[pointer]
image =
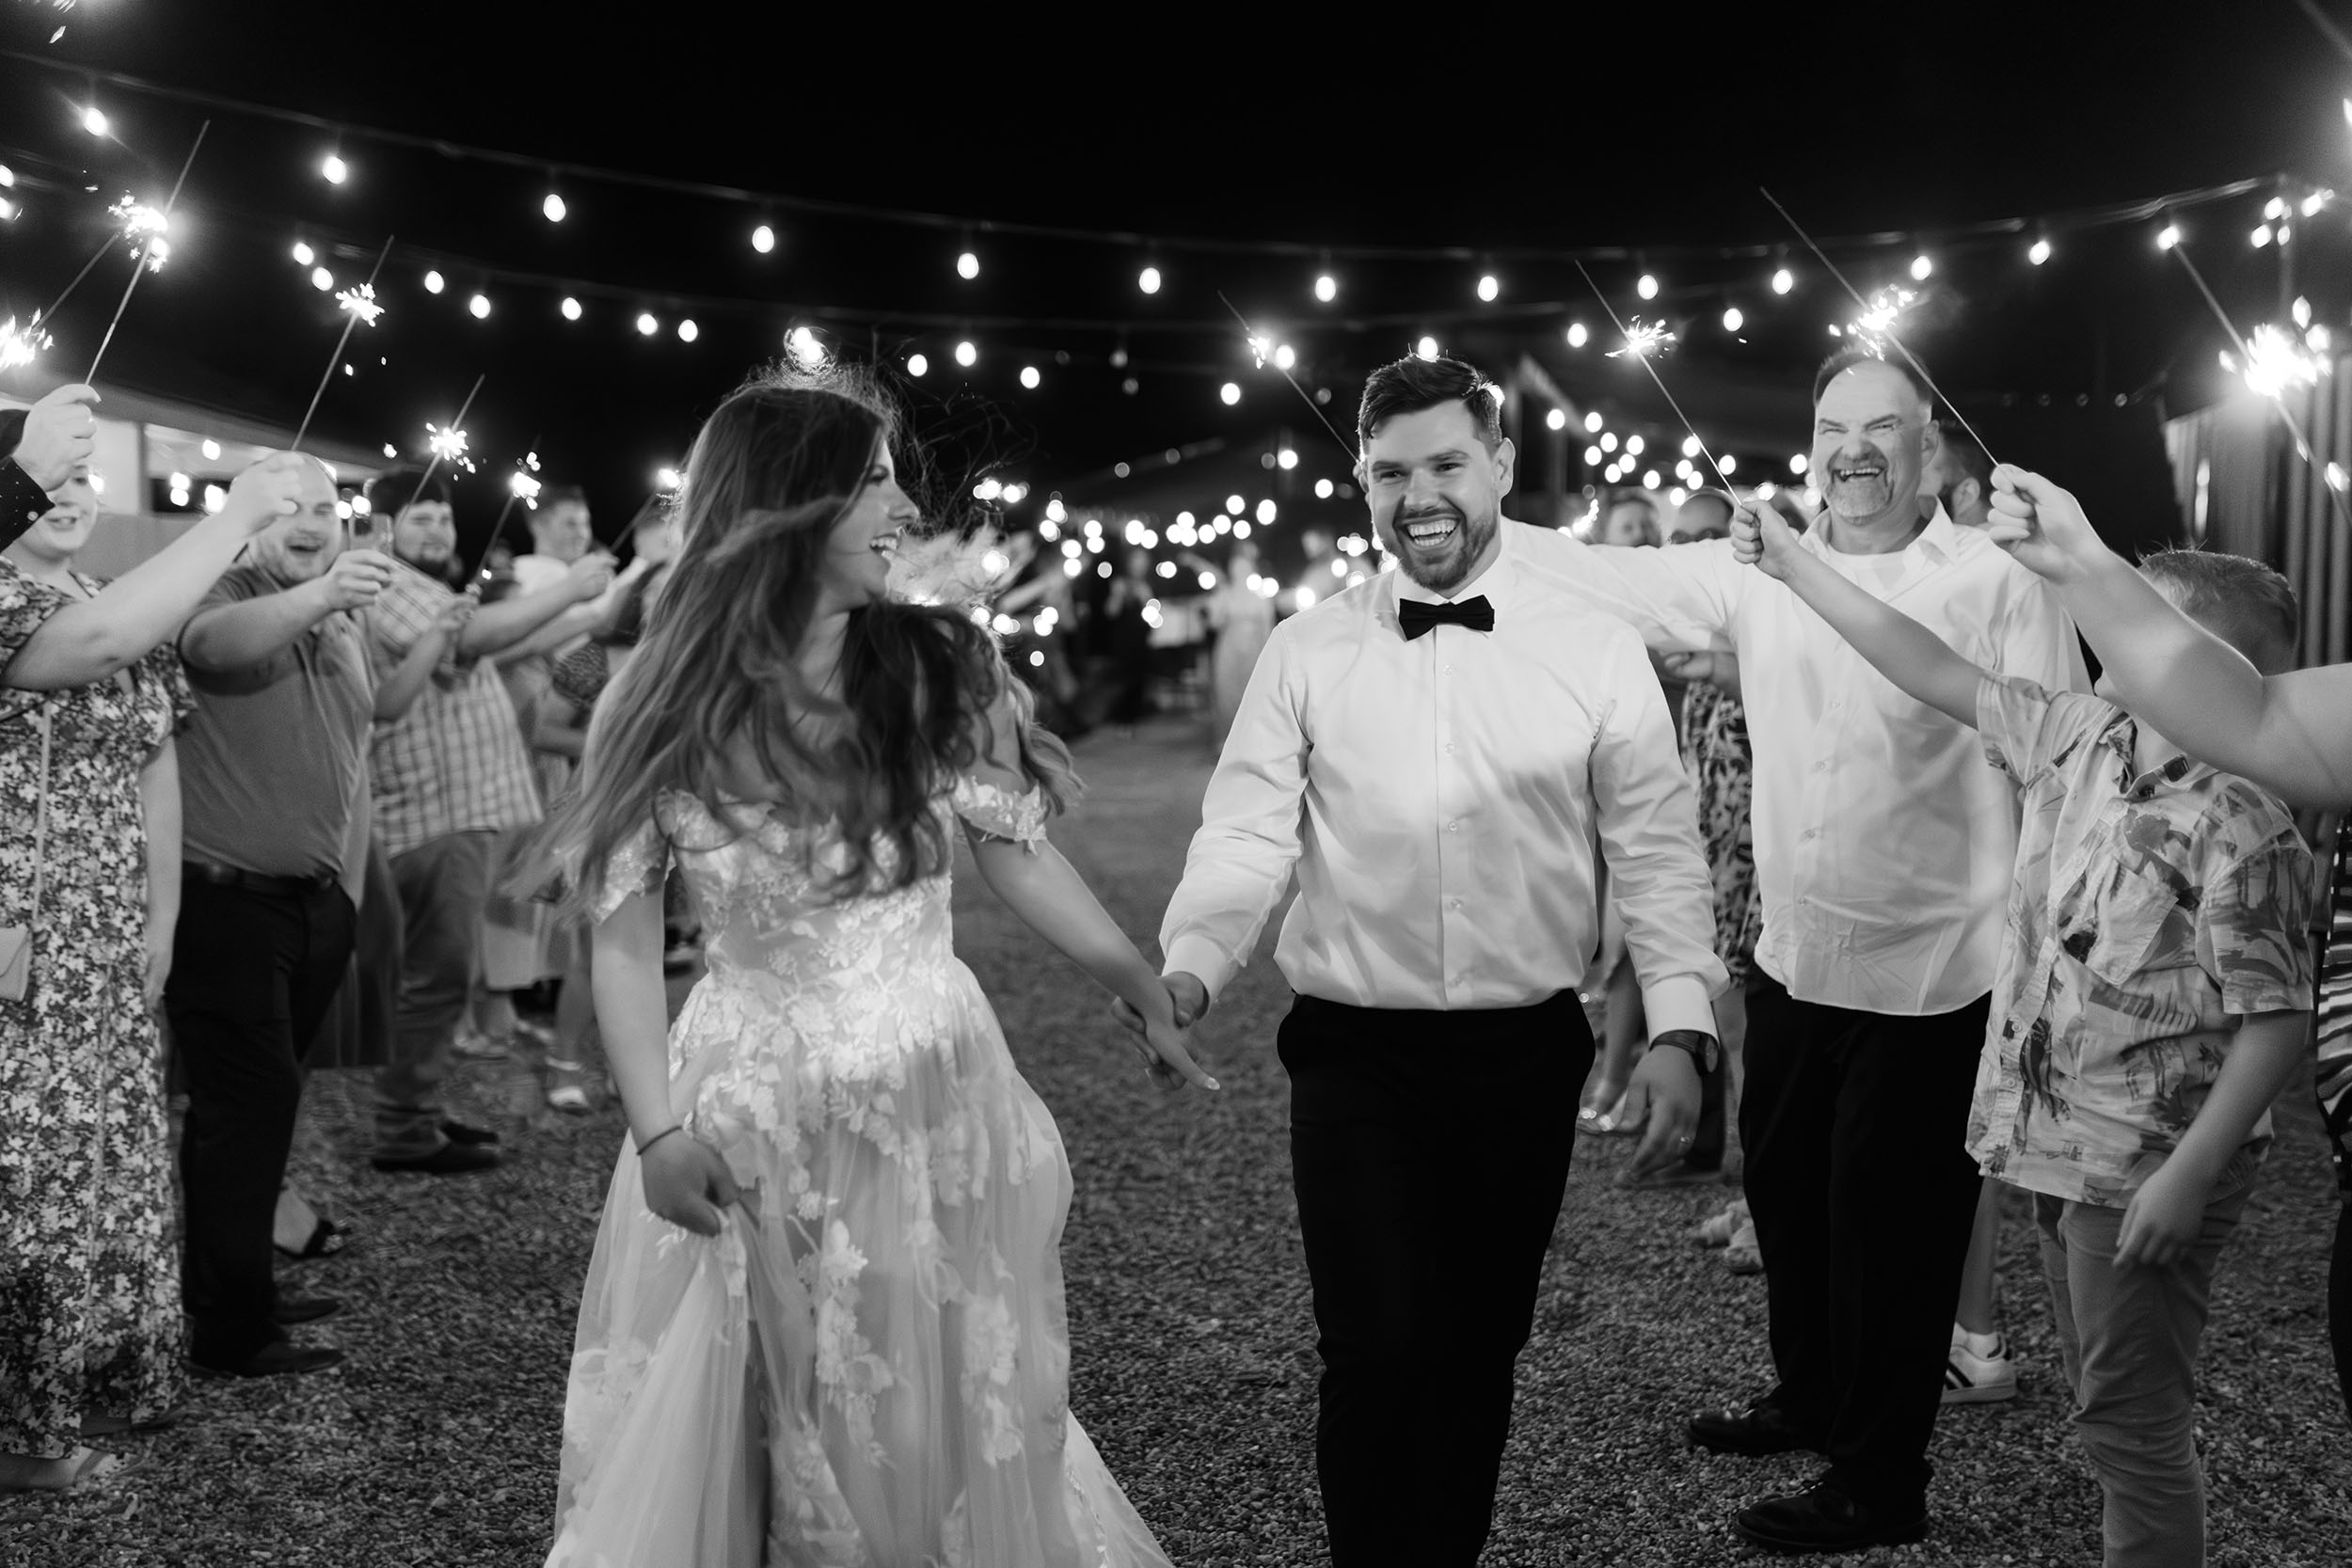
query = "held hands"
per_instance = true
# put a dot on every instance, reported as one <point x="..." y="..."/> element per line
<point x="2163" y="1220"/>
<point x="268" y="491"/>
<point x="455" y="617"/>
<point x="1161" y="1041"/>
<point x="687" y="1182"/>
<point x="355" y="580"/>
<point x="1665" y="1086"/>
<point x="2042" y="526"/>
<point x="60" y="432"/>
<point x="158" y="961"/>
<point x="1760" y="537"/>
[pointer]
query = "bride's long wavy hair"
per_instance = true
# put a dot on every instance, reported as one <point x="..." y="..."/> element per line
<point x="716" y="686"/>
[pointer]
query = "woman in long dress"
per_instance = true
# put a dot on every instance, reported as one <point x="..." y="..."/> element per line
<point x="1244" y="619"/>
<point x="824" y="1323"/>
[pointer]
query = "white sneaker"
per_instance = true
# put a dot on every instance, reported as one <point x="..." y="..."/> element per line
<point x="1973" y="1379"/>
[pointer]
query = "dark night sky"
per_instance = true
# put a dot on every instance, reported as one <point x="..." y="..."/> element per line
<point x="1428" y="127"/>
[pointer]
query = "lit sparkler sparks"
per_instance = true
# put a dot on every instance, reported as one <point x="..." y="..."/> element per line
<point x="446" y="445"/>
<point x="523" y="487"/>
<point x="2275" y="363"/>
<point x="21" y="345"/>
<point x="145" y="229"/>
<point x="1876" y="325"/>
<point x="360" y="303"/>
<point x="1641" y="341"/>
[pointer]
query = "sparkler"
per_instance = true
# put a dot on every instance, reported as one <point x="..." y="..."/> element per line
<point x="1640" y="342"/>
<point x="521" y="486"/>
<point x="1641" y="345"/>
<point x="19" y="346"/>
<point x="1260" y="348"/>
<point x="146" y="229"/>
<point x="1869" y="310"/>
<point x="2272" y="365"/>
<point x="453" y="438"/>
<point x="1875" y="326"/>
<point x="154" y="239"/>
<point x="359" y="309"/>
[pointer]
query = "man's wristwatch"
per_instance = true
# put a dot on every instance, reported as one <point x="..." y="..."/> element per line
<point x="1706" y="1052"/>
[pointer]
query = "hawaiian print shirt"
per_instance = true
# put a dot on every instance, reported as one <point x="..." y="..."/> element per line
<point x="2151" y="913"/>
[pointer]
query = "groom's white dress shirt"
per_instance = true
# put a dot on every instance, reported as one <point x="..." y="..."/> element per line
<point x="1438" y="800"/>
<point x="1886" y="845"/>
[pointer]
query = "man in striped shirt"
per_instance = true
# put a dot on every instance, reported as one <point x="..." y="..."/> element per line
<point x="448" y="776"/>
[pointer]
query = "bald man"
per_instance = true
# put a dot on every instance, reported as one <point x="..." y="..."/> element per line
<point x="273" y="777"/>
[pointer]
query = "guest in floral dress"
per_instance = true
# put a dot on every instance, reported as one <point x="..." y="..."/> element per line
<point x="89" y="1274"/>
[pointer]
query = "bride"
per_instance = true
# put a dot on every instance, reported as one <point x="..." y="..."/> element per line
<point x="824" y="1323"/>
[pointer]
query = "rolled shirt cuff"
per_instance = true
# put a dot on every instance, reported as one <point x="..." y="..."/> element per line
<point x="1679" y="1002"/>
<point x="1202" y="959"/>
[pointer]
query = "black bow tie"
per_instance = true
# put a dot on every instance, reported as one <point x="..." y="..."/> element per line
<point x="1416" y="617"/>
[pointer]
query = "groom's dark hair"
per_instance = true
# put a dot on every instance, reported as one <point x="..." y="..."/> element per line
<point x="1409" y="385"/>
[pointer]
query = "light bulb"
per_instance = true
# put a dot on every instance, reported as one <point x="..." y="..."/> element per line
<point x="1230" y="393"/>
<point x="2038" y="252"/>
<point x="688" y="331"/>
<point x="1488" y="287"/>
<point x="1783" y="280"/>
<point x="2260" y="237"/>
<point x="553" y="206"/>
<point x="2169" y="236"/>
<point x="1426" y="348"/>
<point x="321" y="279"/>
<point x="1733" y="319"/>
<point x="1647" y="287"/>
<point x="1284" y="357"/>
<point x="1578" y="337"/>
<point x="966" y="355"/>
<point x="1286" y="458"/>
<point x="433" y="284"/>
<point x="94" y="120"/>
<point x="570" y="308"/>
<point x="303" y="254"/>
<point x="480" y="306"/>
<point x="763" y="239"/>
<point x="1593" y="420"/>
<point x="1556" y="420"/>
<point x="1149" y="280"/>
<point x="1920" y="268"/>
<point x="647" y="324"/>
<point x="1322" y="489"/>
<point x="967" y="265"/>
<point x="1326" y="288"/>
<point x="1030" y="377"/>
<point x="334" y="169"/>
<point x="918" y="365"/>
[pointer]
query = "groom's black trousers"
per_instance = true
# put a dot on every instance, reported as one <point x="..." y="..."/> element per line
<point x="1430" y="1153"/>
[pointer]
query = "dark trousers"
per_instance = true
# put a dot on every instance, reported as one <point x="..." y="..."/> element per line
<point x="2340" y="1303"/>
<point x="252" y="976"/>
<point x="1424" y="1252"/>
<point x="1863" y="1197"/>
<point x="443" y="883"/>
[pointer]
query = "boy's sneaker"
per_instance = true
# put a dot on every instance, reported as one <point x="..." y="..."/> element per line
<point x="1974" y="1378"/>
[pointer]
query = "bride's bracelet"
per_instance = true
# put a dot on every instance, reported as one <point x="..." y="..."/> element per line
<point x="674" y="1127"/>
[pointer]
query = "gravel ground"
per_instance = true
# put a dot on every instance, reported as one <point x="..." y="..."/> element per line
<point x="1194" y="1365"/>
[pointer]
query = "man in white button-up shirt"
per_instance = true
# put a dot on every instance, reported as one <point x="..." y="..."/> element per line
<point x="1884" y="845"/>
<point x="1434" y="756"/>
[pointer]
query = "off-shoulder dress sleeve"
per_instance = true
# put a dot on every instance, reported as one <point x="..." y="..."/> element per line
<point x="997" y="797"/>
<point x="638" y="865"/>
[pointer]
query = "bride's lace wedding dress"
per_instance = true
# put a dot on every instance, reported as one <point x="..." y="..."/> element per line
<point x="869" y="1364"/>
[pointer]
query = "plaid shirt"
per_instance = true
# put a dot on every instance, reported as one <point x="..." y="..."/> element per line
<point x="455" y="761"/>
<point x="2149" y="913"/>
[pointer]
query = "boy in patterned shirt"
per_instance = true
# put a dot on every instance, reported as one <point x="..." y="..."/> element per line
<point x="2152" y="1000"/>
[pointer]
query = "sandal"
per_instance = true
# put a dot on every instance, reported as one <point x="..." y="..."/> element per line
<point x="326" y="1238"/>
<point x="1718" y="1230"/>
<point x="568" y="1096"/>
<point x="1741" y="1256"/>
<point x="113" y="1426"/>
<point x="82" y="1467"/>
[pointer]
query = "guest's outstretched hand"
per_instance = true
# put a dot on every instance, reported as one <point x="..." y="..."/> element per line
<point x="268" y="491"/>
<point x="356" y="579"/>
<point x="687" y="1182"/>
<point x="1666" y="1087"/>
<point x="61" y="433"/>
<point x="1761" y="537"/>
<point x="2042" y="526"/>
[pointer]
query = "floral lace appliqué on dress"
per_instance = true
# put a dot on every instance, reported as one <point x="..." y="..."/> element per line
<point x="869" y="1365"/>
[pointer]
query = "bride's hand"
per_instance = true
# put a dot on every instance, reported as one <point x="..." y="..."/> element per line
<point x="687" y="1182"/>
<point x="1171" y="1064"/>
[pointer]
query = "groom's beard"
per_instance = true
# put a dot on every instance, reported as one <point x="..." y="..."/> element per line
<point x="1439" y="566"/>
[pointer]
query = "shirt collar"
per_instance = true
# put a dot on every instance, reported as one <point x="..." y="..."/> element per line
<point x="1939" y="541"/>
<point x="1493" y="584"/>
<point x="2122" y="739"/>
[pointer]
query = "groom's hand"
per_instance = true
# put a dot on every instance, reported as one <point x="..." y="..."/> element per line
<point x="1666" y="1084"/>
<point x="1186" y="992"/>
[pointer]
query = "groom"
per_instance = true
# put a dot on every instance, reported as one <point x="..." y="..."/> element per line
<point x="1430" y="755"/>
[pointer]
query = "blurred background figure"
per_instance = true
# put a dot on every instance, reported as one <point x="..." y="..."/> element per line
<point x="1242" y="619"/>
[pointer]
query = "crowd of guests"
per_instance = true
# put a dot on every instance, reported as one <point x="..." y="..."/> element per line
<point x="285" y="731"/>
<point x="257" y="791"/>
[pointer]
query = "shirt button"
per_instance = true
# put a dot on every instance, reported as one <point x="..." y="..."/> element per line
<point x="1449" y="748"/>
<point x="1454" y="827"/>
<point x="1821" y="766"/>
<point x="1808" y="835"/>
<point x="1449" y="669"/>
<point x="1455" y="902"/>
